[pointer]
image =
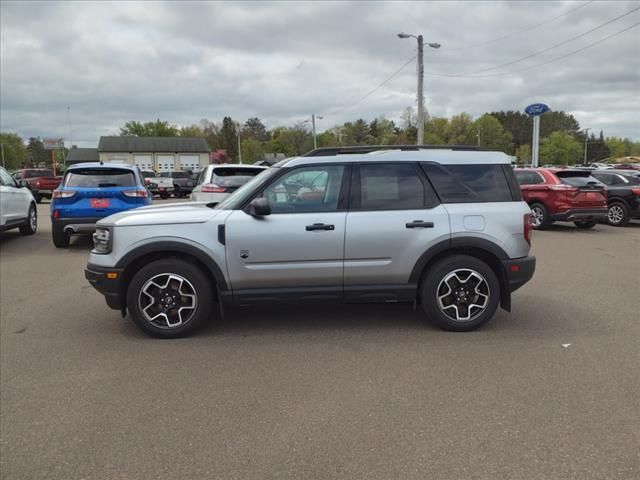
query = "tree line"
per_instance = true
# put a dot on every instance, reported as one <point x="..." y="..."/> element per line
<point x="562" y="139"/>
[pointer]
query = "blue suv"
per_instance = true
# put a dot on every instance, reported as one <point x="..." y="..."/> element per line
<point x="91" y="191"/>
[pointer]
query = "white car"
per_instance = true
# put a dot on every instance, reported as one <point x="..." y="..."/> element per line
<point x="217" y="182"/>
<point x="17" y="206"/>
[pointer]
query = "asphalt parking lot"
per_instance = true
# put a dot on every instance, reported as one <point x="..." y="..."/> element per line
<point x="549" y="391"/>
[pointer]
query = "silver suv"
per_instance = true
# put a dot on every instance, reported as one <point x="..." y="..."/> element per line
<point x="443" y="227"/>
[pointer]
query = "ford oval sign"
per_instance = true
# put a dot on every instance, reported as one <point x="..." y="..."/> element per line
<point x="536" y="109"/>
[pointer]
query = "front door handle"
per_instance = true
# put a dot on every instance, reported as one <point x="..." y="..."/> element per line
<point x="419" y="224"/>
<point x="319" y="226"/>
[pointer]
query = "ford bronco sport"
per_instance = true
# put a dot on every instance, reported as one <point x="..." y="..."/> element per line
<point x="442" y="227"/>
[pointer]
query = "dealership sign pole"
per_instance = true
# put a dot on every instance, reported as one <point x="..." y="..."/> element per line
<point x="536" y="110"/>
<point x="53" y="144"/>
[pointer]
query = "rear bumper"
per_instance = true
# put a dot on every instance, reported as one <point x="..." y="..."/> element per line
<point x="519" y="271"/>
<point x="593" y="214"/>
<point x="76" y="225"/>
<point x="109" y="287"/>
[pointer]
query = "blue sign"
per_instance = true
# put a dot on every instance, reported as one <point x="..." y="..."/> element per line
<point x="536" y="109"/>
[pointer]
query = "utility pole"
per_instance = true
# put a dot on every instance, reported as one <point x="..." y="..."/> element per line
<point x="239" y="149"/>
<point x="2" y="148"/>
<point x="586" y="131"/>
<point x="420" y="90"/>
<point x="313" y="127"/>
<point x="478" y="135"/>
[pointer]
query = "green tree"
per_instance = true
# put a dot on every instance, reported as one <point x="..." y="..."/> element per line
<point x="194" y="130"/>
<point x="492" y="135"/>
<point x="254" y="128"/>
<point x="35" y="153"/>
<point x="436" y="131"/>
<point x="597" y="149"/>
<point x="229" y="137"/>
<point x="523" y="153"/>
<point x="252" y="150"/>
<point x="158" y="128"/>
<point x="13" y="149"/>
<point x="358" y="133"/>
<point x="459" y="128"/>
<point x="560" y="148"/>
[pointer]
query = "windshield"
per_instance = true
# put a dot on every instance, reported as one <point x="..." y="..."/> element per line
<point x="100" y="178"/>
<point x="238" y="197"/>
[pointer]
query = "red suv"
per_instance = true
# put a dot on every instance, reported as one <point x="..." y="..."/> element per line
<point x="562" y="195"/>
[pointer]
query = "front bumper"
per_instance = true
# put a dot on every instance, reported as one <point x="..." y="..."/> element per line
<point x="109" y="287"/>
<point x="586" y="214"/>
<point x="519" y="271"/>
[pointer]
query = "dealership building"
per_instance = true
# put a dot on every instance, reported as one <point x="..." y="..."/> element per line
<point x="159" y="154"/>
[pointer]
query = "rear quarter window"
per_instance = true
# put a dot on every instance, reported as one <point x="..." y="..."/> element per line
<point x="469" y="183"/>
<point x="100" y="178"/>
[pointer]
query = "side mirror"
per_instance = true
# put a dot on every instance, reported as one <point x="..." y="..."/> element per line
<point x="259" y="207"/>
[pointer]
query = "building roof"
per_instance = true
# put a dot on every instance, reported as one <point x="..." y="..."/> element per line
<point x="153" y="144"/>
<point x="76" y="155"/>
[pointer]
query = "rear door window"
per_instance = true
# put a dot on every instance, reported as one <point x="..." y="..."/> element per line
<point x="469" y="183"/>
<point x="528" y="178"/>
<point x="100" y="178"/>
<point x="393" y="186"/>
<point x="577" y="179"/>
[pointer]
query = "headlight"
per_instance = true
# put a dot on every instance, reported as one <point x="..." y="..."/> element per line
<point x="102" y="240"/>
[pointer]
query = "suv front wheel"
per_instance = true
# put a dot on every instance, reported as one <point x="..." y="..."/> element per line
<point x="169" y="298"/>
<point x="459" y="293"/>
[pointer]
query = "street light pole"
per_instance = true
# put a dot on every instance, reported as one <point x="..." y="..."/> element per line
<point x="239" y="149"/>
<point x="420" y="81"/>
<point x="586" y="131"/>
<point x="313" y="126"/>
<point x="420" y="91"/>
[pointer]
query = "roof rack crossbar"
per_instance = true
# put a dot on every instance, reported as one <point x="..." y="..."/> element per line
<point x="361" y="149"/>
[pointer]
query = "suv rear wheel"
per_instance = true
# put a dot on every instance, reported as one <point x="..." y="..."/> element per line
<point x="618" y="214"/>
<point x="60" y="237"/>
<point x="31" y="225"/>
<point x="169" y="298"/>
<point x="539" y="216"/>
<point x="459" y="293"/>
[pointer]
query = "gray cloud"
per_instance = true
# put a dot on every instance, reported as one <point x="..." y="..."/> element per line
<point x="183" y="61"/>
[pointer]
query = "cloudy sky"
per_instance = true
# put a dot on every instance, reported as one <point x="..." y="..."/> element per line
<point x="110" y="62"/>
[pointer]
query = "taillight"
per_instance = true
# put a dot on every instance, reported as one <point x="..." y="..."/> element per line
<point x="135" y="193"/>
<point x="564" y="188"/>
<point x="56" y="213"/>
<point x="212" y="188"/>
<point x="527" y="227"/>
<point x="636" y="191"/>
<point x="63" y="194"/>
<point x="147" y="181"/>
<point x="38" y="183"/>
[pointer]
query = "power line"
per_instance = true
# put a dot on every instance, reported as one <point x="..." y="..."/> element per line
<point x="565" y="56"/>
<point x="558" y="44"/>
<point x="533" y="27"/>
<point x="543" y="63"/>
<point x="473" y="74"/>
<point x="375" y="89"/>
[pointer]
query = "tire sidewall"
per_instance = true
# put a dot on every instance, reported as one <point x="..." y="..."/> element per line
<point x="203" y="288"/>
<point x="545" y="222"/>
<point x="432" y="279"/>
<point x="26" y="229"/>
<point x="61" y="239"/>
<point x="625" y="215"/>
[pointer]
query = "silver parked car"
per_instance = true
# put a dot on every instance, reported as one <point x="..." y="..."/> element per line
<point x="217" y="182"/>
<point x="445" y="228"/>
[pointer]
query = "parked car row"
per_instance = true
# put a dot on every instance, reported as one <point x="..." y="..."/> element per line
<point x="581" y="196"/>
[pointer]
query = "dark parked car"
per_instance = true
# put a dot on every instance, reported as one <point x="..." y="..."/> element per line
<point x="568" y="195"/>
<point x="623" y="195"/>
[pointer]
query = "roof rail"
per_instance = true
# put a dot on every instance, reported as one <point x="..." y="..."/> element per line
<point x="360" y="149"/>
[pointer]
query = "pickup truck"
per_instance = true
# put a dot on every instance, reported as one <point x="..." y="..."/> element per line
<point x="41" y="181"/>
<point x="158" y="185"/>
<point x="182" y="182"/>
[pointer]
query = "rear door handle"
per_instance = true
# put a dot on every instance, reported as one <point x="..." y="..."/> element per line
<point x="319" y="226"/>
<point x="419" y="224"/>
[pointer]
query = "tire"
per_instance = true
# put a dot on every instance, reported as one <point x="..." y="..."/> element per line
<point x="30" y="227"/>
<point x="583" y="224"/>
<point x="37" y="197"/>
<point x="164" y="195"/>
<point x="60" y="237"/>
<point x="447" y="273"/>
<point x="176" y="191"/>
<point x="169" y="322"/>
<point x="540" y="216"/>
<point x="618" y="214"/>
